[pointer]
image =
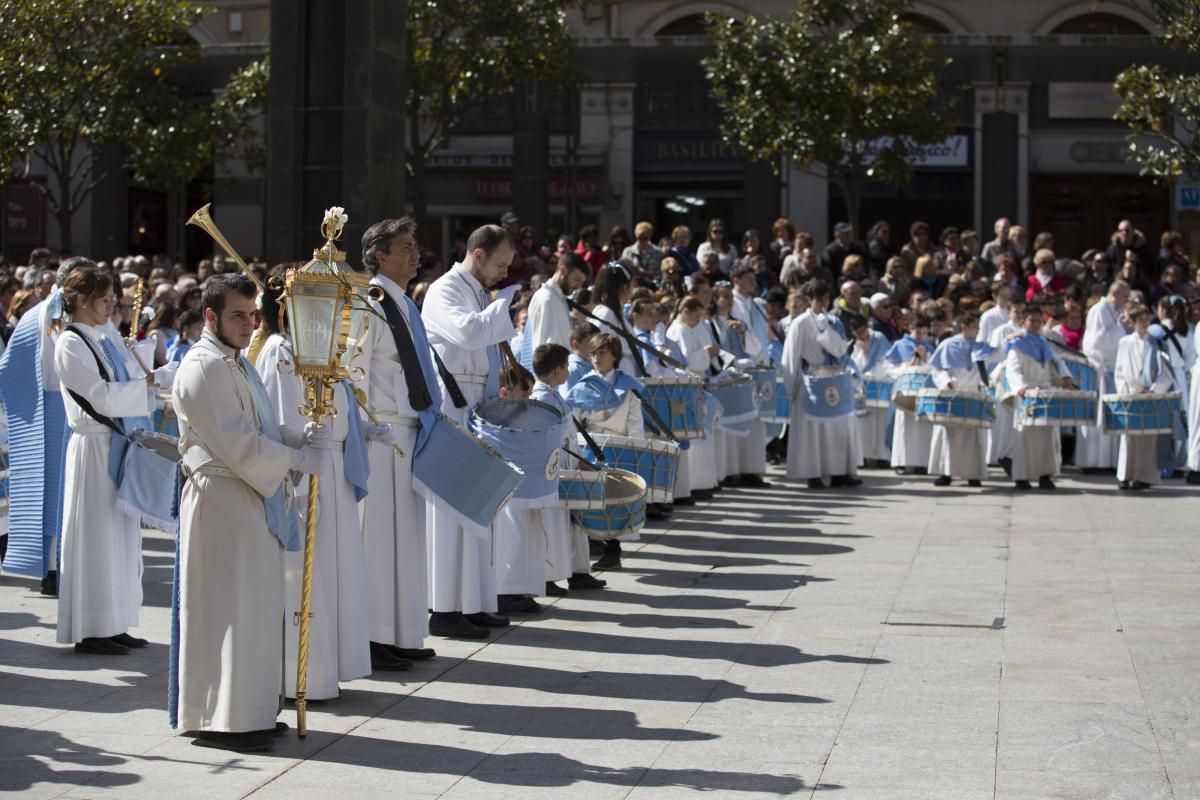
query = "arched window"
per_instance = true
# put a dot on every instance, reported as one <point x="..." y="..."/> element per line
<point x="924" y="24"/>
<point x="1099" y="25"/>
<point x="692" y="25"/>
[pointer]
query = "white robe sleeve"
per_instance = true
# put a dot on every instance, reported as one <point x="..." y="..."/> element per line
<point x="206" y="392"/>
<point x="446" y="312"/>
<point x="285" y="390"/>
<point x="76" y="367"/>
<point x="1014" y="372"/>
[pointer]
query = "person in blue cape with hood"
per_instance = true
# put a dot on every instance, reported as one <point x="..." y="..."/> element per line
<point x="911" y="439"/>
<point x="867" y="354"/>
<point x="1030" y="363"/>
<point x="957" y="451"/>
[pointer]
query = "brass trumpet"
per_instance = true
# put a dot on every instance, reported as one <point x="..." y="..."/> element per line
<point x="203" y="219"/>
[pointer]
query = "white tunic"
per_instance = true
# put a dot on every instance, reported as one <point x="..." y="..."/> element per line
<point x="1001" y="435"/>
<point x="1193" y="409"/>
<point x="958" y="451"/>
<point x="911" y="438"/>
<point x="461" y="324"/>
<point x="1102" y="335"/>
<point x="338" y="642"/>
<point x="1035" y="449"/>
<point x="231" y="613"/>
<point x="816" y="449"/>
<point x="549" y="319"/>
<point x="1137" y="459"/>
<point x="393" y="514"/>
<point x="701" y="454"/>
<point x="872" y="426"/>
<point x="100" y="578"/>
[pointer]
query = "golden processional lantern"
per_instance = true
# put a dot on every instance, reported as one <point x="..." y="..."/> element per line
<point x="325" y="302"/>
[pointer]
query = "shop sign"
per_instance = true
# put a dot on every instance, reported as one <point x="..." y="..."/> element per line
<point x="953" y="151"/>
<point x="1083" y="101"/>
<point x="499" y="187"/>
<point x="24" y="215"/>
<point x="1188" y="197"/>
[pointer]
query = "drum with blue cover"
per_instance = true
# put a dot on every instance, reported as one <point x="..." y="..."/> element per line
<point x="581" y="489"/>
<point x="1083" y="373"/>
<point x="1140" y="414"/>
<point x="877" y="393"/>
<point x="465" y="476"/>
<point x="828" y="393"/>
<point x="783" y="406"/>
<point x="679" y="401"/>
<point x="1045" y="407"/>
<point x="764" y="389"/>
<point x="909" y="382"/>
<point x="738" y="406"/>
<point x="623" y="512"/>
<point x="956" y="409"/>
<point x="528" y="433"/>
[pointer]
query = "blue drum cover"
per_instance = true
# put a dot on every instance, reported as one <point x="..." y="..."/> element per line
<point x="737" y="402"/>
<point x="581" y="489"/>
<point x="952" y="408"/>
<point x="877" y="393"/>
<point x="1056" y="409"/>
<point x="528" y="433"/>
<point x="657" y="465"/>
<point x="828" y="397"/>
<point x="1083" y="374"/>
<point x="1140" y="415"/>
<point x="624" y="510"/>
<point x="764" y="389"/>
<point x="681" y="405"/>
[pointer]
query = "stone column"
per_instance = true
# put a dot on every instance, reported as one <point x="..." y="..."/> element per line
<point x="1002" y="161"/>
<point x="606" y="123"/>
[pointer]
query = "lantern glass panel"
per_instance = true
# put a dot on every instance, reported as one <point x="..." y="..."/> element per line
<point x="314" y="316"/>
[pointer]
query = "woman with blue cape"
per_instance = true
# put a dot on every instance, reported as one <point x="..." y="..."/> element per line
<point x="870" y="347"/>
<point x="958" y="452"/>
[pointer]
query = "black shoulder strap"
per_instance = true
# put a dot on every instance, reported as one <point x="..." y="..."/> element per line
<point x="456" y="395"/>
<point x="80" y="400"/>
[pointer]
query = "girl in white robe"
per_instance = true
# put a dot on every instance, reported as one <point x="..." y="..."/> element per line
<point x="1030" y="363"/>
<point x="1096" y="450"/>
<point x="911" y="439"/>
<point x="1140" y="369"/>
<point x="100" y="582"/>
<point x="695" y="342"/>
<point x="867" y="354"/>
<point x="339" y="642"/>
<point x="958" y="451"/>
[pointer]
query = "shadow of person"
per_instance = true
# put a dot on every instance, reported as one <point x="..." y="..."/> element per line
<point x="559" y="612"/>
<point x="683" y="602"/>
<point x="26" y="753"/>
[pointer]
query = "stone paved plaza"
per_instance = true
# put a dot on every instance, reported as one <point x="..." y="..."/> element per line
<point x="894" y="642"/>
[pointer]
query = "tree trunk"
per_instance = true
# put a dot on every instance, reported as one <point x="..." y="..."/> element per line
<point x="851" y="187"/>
<point x="63" y="212"/>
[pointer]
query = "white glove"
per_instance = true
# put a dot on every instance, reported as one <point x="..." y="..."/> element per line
<point x="145" y="350"/>
<point x="317" y="435"/>
<point x="165" y="376"/>
<point x="308" y="460"/>
<point x="380" y="433"/>
<point x="508" y="292"/>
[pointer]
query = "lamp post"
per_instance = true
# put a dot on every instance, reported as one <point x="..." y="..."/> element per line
<point x="319" y="298"/>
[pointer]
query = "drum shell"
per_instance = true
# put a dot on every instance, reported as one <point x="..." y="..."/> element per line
<point x="909" y="381"/>
<point x="1044" y="407"/>
<point x="467" y="476"/>
<point x="581" y="489"/>
<point x="783" y="406"/>
<point x="624" y="510"/>
<point x="737" y="404"/>
<point x="656" y="462"/>
<point x="956" y="409"/>
<point x="877" y="393"/>
<point x="679" y="400"/>
<point x="764" y="389"/>
<point x="528" y="433"/>
<point x="828" y="394"/>
<point x="146" y="485"/>
<point x="1140" y="414"/>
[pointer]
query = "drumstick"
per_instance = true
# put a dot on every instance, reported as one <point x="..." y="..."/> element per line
<point x="361" y="397"/>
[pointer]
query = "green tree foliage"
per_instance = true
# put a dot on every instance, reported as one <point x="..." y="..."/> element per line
<point x="845" y="84"/>
<point x="78" y="76"/>
<point x="463" y="51"/>
<point x="1162" y="107"/>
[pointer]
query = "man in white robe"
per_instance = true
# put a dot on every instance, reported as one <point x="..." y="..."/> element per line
<point x="394" y="514"/>
<point x="235" y="522"/>
<point x="464" y="328"/>
<point x="549" y="318"/>
<point x="751" y="312"/>
<point x="1095" y="450"/>
<point x="1140" y="369"/>
<point x="1031" y="363"/>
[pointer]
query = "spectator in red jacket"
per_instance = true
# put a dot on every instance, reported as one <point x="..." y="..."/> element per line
<point x="1044" y="280"/>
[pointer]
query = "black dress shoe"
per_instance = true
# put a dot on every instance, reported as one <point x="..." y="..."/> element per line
<point x="50" y="584"/>
<point x="920" y="470"/>
<point x="816" y="483"/>
<point x="707" y="494"/>
<point x="1124" y="486"/>
<point x="96" y="646"/>
<point x="755" y="481"/>
<point x="454" y="624"/>
<point x="1006" y="465"/>
<point x="247" y="742"/>
<point x="384" y="660"/>
<point x="974" y="484"/>
<point x="554" y="590"/>
<point x="1045" y="482"/>
<point x="1193" y="478"/>
<point x="1024" y="486"/>
<point x="279" y="730"/>
<point x="126" y="640"/>
<point x="844" y="482"/>
<point x="657" y="511"/>
<point x="582" y="580"/>
<point x="943" y="480"/>
<point x="903" y="471"/>
<point x="684" y="501"/>
<point x="484" y="619"/>
<point x="411" y="653"/>
<point x="595" y="547"/>
<point x="517" y="604"/>
<point x="1139" y="486"/>
<point x="609" y="561"/>
<point x="730" y="481"/>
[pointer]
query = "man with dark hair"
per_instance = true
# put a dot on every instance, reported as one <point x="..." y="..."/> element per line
<point x="549" y="320"/>
<point x="465" y="328"/>
<point x="843" y="244"/>
<point x="236" y="518"/>
<point x="401" y="388"/>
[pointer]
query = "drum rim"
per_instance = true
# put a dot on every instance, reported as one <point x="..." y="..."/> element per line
<point x="963" y="393"/>
<point x="1125" y="398"/>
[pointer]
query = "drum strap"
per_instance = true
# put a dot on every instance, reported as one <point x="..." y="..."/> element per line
<point x="456" y="395"/>
<point x="983" y="373"/>
<point x="655" y="419"/>
<point x="414" y="378"/>
<point x="81" y="401"/>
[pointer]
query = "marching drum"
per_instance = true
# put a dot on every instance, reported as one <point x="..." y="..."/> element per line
<point x="1055" y="407"/>
<point x="909" y="381"/>
<point x="1083" y="373"/>
<point x="1140" y="414"/>
<point x="679" y="401"/>
<point x="581" y="489"/>
<point x="738" y="405"/>
<point x="876" y="393"/>
<point x="782" y="406"/>
<point x="527" y="433"/>
<point x="623" y="512"/>
<point x="654" y="460"/>
<point x="470" y="478"/>
<point x="828" y="393"/>
<point x="146" y="484"/>
<point x="956" y="409"/>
